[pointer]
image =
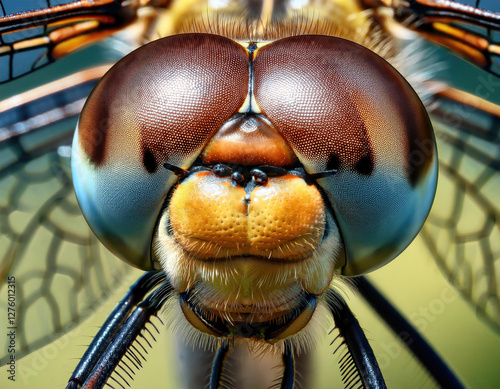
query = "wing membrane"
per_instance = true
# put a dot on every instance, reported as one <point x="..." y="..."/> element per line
<point x="35" y="33"/>
<point x="463" y="228"/>
<point x="473" y="32"/>
<point x="62" y="272"/>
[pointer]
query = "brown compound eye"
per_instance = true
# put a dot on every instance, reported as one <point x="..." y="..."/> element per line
<point x="340" y="106"/>
<point x="163" y="102"/>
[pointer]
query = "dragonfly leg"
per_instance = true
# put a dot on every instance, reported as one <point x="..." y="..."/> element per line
<point x="103" y="354"/>
<point x="218" y="364"/>
<point x="289" y="368"/>
<point x="362" y="366"/>
<point x="420" y="348"/>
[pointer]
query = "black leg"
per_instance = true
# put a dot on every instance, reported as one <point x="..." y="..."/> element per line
<point x="289" y="368"/>
<point x="106" y="359"/>
<point x="109" y="329"/>
<point x="123" y="343"/>
<point x="217" y="366"/>
<point x="409" y="336"/>
<point x="360" y="365"/>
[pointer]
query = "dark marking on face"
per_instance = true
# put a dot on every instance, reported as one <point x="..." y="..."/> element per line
<point x="365" y="165"/>
<point x="333" y="162"/>
<point x="149" y="161"/>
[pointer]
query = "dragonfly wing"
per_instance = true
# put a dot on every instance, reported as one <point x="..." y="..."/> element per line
<point x="463" y="228"/>
<point x="61" y="270"/>
<point x="470" y="32"/>
<point x="34" y="33"/>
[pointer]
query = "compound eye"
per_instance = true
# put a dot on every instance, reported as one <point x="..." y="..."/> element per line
<point x="162" y="103"/>
<point x="340" y="106"/>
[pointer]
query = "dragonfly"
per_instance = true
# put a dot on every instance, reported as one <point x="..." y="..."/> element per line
<point x="62" y="272"/>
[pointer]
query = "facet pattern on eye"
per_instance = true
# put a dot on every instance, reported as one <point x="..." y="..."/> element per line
<point x="357" y="113"/>
<point x="340" y="106"/>
<point x="192" y="84"/>
<point x="177" y="93"/>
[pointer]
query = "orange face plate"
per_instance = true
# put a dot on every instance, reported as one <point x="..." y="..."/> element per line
<point x="212" y="218"/>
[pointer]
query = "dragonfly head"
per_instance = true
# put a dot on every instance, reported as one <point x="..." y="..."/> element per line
<point x="253" y="173"/>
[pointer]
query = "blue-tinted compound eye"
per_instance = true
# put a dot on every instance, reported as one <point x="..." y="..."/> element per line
<point x="340" y="106"/>
<point x="159" y="104"/>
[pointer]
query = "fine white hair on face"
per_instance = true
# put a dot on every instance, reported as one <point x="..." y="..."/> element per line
<point x="418" y="65"/>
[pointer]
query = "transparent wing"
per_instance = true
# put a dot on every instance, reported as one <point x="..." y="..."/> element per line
<point x="61" y="271"/>
<point x="463" y="229"/>
<point x="34" y="33"/>
<point x="469" y="28"/>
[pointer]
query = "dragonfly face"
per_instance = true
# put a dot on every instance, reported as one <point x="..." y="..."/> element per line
<point x="254" y="215"/>
<point x="182" y="175"/>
